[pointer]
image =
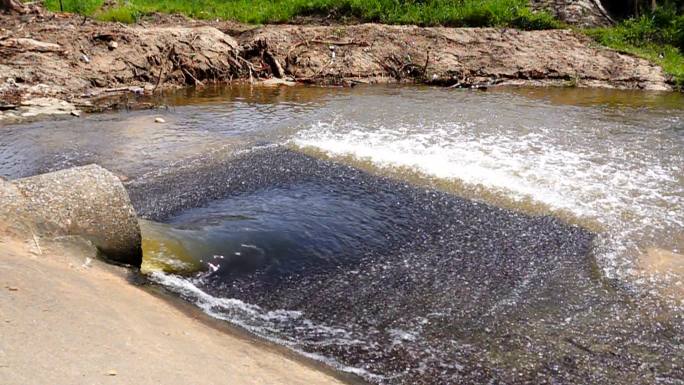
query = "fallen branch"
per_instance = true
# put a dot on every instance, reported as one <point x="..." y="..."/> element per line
<point x="29" y="45"/>
<point x="427" y="61"/>
<point x="197" y="82"/>
<point x="272" y="61"/>
<point x="133" y="89"/>
<point x="12" y="6"/>
<point x="161" y="67"/>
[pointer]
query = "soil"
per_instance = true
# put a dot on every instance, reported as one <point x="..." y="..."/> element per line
<point x="93" y="65"/>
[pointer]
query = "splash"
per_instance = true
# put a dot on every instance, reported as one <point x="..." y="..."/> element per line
<point x="272" y="325"/>
<point x="632" y="188"/>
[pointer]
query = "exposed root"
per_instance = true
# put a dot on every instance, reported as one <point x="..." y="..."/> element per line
<point x="38" y="59"/>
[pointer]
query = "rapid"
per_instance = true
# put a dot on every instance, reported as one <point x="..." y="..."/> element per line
<point x="411" y="235"/>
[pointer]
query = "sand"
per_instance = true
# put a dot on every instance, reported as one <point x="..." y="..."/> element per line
<point x="68" y="319"/>
<point x="668" y="267"/>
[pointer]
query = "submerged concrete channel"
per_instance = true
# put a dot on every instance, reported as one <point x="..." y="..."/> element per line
<point x="453" y="291"/>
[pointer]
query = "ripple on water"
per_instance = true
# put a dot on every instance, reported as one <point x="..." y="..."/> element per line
<point x="444" y="290"/>
<point x="619" y="174"/>
<point x="393" y="279"/>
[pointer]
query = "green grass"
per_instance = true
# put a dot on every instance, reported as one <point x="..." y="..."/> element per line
<point x="657" y="37"/>
<point x="454" y="13"/>
<point x="667" y="56"/>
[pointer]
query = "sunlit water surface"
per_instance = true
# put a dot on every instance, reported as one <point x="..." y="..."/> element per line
<point x="562" y="274"/>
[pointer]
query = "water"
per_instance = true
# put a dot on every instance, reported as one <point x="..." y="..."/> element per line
<point x="619" y="168"/>
<point x="333" y="221"/>
<point x="132" y="144"/>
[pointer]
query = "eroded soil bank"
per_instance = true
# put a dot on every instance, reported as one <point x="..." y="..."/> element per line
<point x="93" y="65"/>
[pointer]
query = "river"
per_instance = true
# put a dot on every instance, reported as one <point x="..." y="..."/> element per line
<point x="411" y="235"/>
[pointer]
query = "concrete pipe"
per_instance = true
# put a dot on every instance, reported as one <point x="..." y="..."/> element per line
<point x="87" y="201"/>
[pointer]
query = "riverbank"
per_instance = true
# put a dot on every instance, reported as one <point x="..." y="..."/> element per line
<point x="100" y="65"/>
<point x="111" y="331"/>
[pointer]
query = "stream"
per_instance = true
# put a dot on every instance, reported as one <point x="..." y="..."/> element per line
<point x="410" y="235"/>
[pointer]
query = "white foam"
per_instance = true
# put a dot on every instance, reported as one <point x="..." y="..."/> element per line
<point x="625" y="188"/>
<point x="266" y="324"/>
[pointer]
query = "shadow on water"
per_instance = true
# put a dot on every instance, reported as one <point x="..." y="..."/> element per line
<point x="405" y="285"/>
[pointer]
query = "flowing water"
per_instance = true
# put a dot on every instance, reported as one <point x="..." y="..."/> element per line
<point x="411" y="235"/>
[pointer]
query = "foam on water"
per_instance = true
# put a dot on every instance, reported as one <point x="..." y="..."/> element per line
<point x="270" y="325"/>
<point x="632" y="186"/>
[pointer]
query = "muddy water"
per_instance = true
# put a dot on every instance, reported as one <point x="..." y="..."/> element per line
<point x="412" y="235"/>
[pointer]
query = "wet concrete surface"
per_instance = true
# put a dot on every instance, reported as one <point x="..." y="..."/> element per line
<point x="453" y="292"/>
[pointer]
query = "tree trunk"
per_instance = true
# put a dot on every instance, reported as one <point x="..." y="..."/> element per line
<point x="12" y="6"/>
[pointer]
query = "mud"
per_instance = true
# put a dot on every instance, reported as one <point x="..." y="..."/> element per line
<point x="95" y="65"/>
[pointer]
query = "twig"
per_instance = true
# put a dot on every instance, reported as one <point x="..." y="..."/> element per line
<point x="161" y="68"/>
<point x="35" y="240"/>
<point x="579" y="345"/>
<point x="197" y="82"/>
<point x="331" y="42"/>
<point x="427" y="61"/>
<point x="249" y="67"/>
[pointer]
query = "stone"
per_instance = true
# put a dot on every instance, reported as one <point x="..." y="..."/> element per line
<point x="276" y="82"/>
<point x="46" y="106"/>
<point x="159" y="120"/>
<point x="585" y="13"/>
<point x="112" y="45"/>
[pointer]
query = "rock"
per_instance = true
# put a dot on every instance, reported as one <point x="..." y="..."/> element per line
<point x="26" y="44"/>
<point x="76" y="113"/>
<point x="159" y="120"/>
<point x="46" y="106"/>
<point x="111" y="372"/>
<point x="112" y="45"/>
<point x="87" y="201"/>
<point x="275" y="82"/>
<point x="585" y="13"/>
<point x="12" y="288"/>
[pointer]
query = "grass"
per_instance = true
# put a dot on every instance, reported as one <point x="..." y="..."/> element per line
<point x="657" y="37"/>
<point x="453" y="13"/>
<point x="666" y="56"/>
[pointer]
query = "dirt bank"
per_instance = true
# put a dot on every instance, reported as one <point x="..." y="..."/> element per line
<point x="92" y="64"/>
<point x="69" y="319"/>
